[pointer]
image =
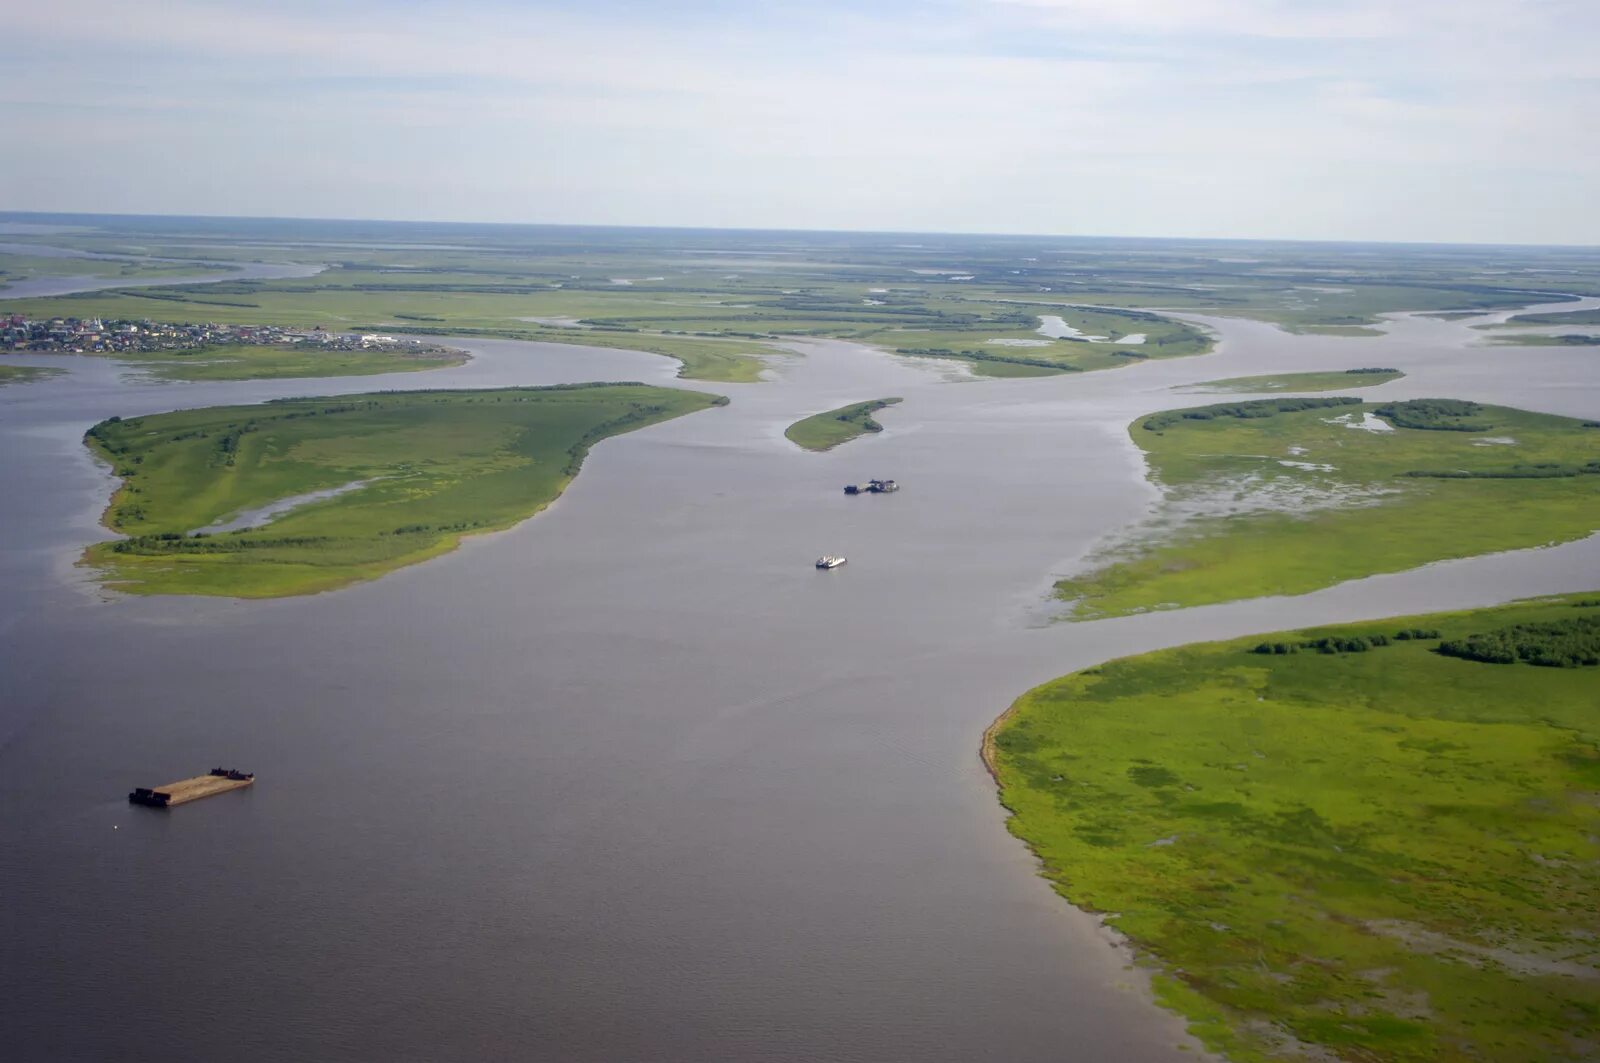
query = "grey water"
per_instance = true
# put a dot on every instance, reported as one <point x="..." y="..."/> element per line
<point x="214" y="272"/>
<point x="632" y="780"/>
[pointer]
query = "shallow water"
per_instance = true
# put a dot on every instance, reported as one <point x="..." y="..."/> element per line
<point x="275" y="509"/>
<point x="632" y="780"/>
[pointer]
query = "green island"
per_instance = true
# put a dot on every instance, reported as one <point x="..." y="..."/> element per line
<point x="1569" y="317"/>
<point x="1536" y="339"/>
<point x="244" y="362"/>
<point x="1332" y="380"/>
<point x="381" y="480"/>
<point x="1354" y="843"/>
<point x="23" y="374"/>
<point x="1284" y="496"/>
<point x="824" y="431"/>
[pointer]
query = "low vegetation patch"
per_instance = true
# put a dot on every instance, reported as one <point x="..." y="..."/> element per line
<point x="1243" y="411"/>
<point x="1378" y="850"/>
<point x="1436" y="415"/>
<point x="1569" y="642"/>
<point x="22" y="374"/>
<point x="385" y="480"/>
<point x="243" y="362"/>
<point x="824" y="431"/>
<point x="1283" y="496"/>
<point x="1333" y="380"/>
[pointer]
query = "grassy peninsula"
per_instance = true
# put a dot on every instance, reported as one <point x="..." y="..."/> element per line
<point x="385" y="480"/>
<point x="824" y="431"/>
<point x="1283" y="496"/>
<point x="22" y="374"/>
<point x="1338" y="843"/>
<point x="1539" y="339"/>
<point x="241" y="362"/>
<point x="1333" y="380"/>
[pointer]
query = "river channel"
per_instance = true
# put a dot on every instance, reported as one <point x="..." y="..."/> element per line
<point x="632" y="780"/>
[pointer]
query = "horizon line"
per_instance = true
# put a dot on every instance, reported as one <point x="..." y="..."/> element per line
<point x="827" y="232"/>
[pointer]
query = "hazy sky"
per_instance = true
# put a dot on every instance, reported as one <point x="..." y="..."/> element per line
<point x="1450" y="120"/>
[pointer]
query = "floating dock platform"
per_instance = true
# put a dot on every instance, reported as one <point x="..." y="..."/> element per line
<point x="218" y="780"/>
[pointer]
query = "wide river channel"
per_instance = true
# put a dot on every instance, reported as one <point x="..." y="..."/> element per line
<point x="633" y="780"/>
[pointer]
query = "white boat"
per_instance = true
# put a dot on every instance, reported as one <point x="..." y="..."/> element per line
<point x="829" y="561"/>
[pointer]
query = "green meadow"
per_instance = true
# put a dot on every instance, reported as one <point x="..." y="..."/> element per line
<point x="246" y="362"/>
<point x="1535" y="339"/>
<point x="417" y="471"/>
<point x="1336" y="843"/>
<point x="1284" y="496"/>
<point x="824" y="431"/>
<point x="1570" y="317"/>
<point x="1333" y="380"/>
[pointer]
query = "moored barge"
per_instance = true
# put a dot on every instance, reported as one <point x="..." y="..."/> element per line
<point x="216" y="781"/>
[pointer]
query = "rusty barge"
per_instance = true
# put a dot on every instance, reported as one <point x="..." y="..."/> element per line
<point x="216" y="781"/>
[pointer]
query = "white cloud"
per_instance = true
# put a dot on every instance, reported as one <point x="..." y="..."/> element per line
<point x="1206" y="117"/>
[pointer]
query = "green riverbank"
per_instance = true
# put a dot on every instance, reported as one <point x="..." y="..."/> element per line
<point x="418" y="471"/>
<point x="1326" y="381"/>
<point x="1338" y="843"/>
<point x="824" y="431"/>
<point x="1283" y="496"/>
<point x="22" y="374"/>
<point x="246" y="362"/>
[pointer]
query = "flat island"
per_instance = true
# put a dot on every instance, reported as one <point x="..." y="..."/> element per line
<point x="824" y="431"/>
<point x="1374" y="841"/>
<point x="1333" y="380"/>
<point x="1283" y="496"/>
<point x="304" y="495"/>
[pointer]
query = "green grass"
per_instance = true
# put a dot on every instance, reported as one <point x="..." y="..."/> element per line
<point x="1237" y="522"/>
<point x="1326" y="381"/>
<point x="1388" y="855"/>
<point x="245" y="362"/>
<point x="824" y="431"/>
<point x="1571" y="339"/>
<point x="437" y="465"/>
<point x="1012" y="346"/>
<point x="1570" y="317"/>
<point x="14" y="268"/>
<point x="23" y="374"/>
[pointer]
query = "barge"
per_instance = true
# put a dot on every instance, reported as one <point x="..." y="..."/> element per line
<point x="872" y="487"/>
<point x="216" y="781"/>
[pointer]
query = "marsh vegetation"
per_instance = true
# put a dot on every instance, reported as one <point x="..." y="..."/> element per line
<point x="1373" y="848"/>
<point x="428" y="467"/>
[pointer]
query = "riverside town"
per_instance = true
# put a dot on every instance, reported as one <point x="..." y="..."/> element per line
<point x="93" y="335"/>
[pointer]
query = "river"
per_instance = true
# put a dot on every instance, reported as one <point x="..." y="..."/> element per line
<point x="213" y="272"/>
<point x="632" y="780"/>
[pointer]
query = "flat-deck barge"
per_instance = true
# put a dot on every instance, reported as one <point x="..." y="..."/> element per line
<point x="218" y="780"/>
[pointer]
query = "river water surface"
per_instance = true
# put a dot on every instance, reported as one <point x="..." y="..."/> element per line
<point x="632" y="780"/>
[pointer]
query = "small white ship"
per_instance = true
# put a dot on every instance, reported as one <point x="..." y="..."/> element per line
<point x="829" y="561"/>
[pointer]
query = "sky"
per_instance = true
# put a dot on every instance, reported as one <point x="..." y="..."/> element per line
<point x="1408" y="120"/>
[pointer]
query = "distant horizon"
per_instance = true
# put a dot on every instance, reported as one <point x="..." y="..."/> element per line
<point x="9" y="215"/>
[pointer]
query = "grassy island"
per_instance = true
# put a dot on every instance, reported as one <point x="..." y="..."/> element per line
<point x="241" y="362"/>
<point x="364" y="483"/>
<point x="824" y="431"/>
<point x="1283" y="496"/>
<point x="1325" y="381"/>
<point x="1559" y="317"/>
<point x="1339" y="843"/>
<point x="22" y="374"/>
<point x="1539" y="339"/>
